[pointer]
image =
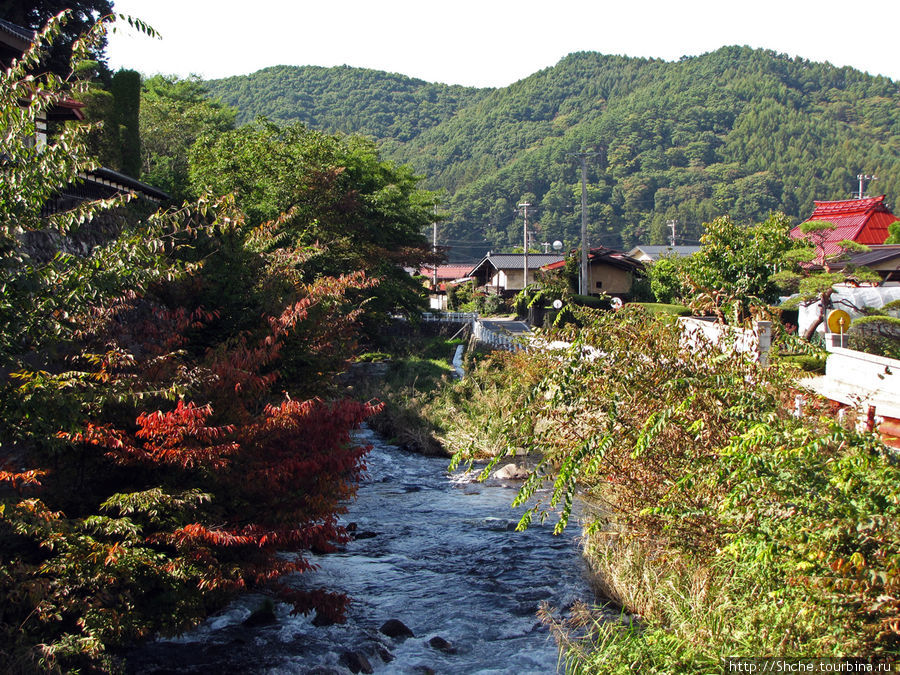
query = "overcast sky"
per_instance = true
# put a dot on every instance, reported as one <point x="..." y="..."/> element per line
<point x="492" y="43"/>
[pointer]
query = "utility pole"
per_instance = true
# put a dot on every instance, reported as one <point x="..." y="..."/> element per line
<point x="672" y="224"/>
<point x="525" y="206"/>
<point x="862" y="178"/>
<point x="584" y="242"/>
<point x="434" y="249"/>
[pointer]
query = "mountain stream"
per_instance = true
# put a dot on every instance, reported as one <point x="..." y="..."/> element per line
<point x="437" y="552"/>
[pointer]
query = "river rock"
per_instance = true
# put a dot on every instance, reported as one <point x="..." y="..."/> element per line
<point x="263" y="615"/>
<point x="320" y="620"/>
<point x="395" y="628"/>
<point x="439" y="643"/>
<point x="356" y="662"/>
<point x="511" y="472"/>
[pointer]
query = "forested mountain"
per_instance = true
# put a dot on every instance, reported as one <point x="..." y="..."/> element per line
<point x="737" y="131"/>
<point x="344" y="99"/>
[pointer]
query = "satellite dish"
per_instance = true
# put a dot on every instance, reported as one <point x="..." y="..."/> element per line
<point x="838" y="321"/>
<point x="616" y="303"/>
<point x="557" y="245"/>
<point x="557" y="304"/>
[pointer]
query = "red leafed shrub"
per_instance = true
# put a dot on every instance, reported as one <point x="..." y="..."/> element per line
<point x="180" y="474"/>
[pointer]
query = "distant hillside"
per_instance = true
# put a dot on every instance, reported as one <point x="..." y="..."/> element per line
<point x="344" y="99"/>
<point x="736" y="131"/>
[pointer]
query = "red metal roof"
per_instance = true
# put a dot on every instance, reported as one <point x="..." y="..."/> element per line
<point x="864" y="221"/>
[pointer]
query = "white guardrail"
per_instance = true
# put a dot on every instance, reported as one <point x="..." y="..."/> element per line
<point x="450" y="317"/>
<point x="500" y="340"/>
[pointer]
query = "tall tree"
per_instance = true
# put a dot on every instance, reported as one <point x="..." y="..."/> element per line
<point x="733" y="271"/>
<point x="368" y="213"/>
<point x="174" y="113"/>
<point x="126" y="90"/>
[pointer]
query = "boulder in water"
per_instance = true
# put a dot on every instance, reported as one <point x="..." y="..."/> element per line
<point x="511" y="472"/>
<point x="439" y="643"/>
<point x="395" y="628"/>
<point x="263" y="615"/>
<point x="356" y="662"/>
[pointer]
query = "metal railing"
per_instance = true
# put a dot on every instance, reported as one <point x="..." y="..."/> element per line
<point x="450" y="317"/>
<point x="497" y="339"/>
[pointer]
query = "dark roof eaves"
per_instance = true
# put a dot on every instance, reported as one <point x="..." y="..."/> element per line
<point x="17" y="31"/>
<point x="129" y="182"/>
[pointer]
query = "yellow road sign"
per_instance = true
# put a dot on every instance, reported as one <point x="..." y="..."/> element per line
<point x="838" y="321"/>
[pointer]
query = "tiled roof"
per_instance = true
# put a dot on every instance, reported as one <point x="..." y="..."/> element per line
<point x="864" y="221"/>
<point x="451" y="271"/>
<point x="877" y="254"/>
<point x="509" y="261"/>
<point x="17" y="31"/>
<point x="603" y="254"/>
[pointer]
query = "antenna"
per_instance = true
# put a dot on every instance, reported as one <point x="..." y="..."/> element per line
<point x="862" y="178"/>
<point x="672" y="224"/>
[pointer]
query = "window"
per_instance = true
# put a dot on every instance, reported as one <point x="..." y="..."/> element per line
<point x="599" y="284"/>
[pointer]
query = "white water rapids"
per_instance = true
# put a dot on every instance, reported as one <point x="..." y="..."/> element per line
<point x="444" y="559"/>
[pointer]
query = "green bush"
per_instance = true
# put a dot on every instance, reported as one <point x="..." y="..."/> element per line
<point x="592" y="301"/>
<point x="664" y="308"/>
<point x="878" y="335"/>
<point x="808" y="363"/>
<point x="730" y="525"/>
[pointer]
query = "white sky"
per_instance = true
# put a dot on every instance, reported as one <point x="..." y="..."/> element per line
<point x="492" y="42"/>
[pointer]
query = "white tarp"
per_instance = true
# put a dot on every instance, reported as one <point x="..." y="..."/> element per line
<point x="862" y="296"/>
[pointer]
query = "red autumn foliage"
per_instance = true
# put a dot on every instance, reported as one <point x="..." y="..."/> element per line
<point x="276" y="471"/>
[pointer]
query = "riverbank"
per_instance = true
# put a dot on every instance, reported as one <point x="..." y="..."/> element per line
<point x="408" y="373"/>
<point x="733" y="528"/>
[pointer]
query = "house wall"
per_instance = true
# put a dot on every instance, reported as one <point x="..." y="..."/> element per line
<point x="755" y="342"/>
<point x="511" y="279"/>
<point x="612" y="279"/>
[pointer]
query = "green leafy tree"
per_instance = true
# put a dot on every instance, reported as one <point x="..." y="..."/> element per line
<point x="666" y="279"/>
<point x="893" y="233"/>
<point x="126" y="91"/>
<point x="174" y="113"/>
<point x="368" y="213"/>
<point x="733" y="271"/>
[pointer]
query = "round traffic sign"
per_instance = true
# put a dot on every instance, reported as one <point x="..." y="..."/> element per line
<point x="838" y="321"/>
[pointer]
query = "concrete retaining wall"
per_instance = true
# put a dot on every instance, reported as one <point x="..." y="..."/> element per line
<point x="755" y="343"/>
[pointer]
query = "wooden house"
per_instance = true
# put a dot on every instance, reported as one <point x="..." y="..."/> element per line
<point x="864" y="221"/>
<point x="609" y="271"/>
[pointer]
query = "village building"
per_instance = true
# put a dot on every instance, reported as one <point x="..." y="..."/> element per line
<point x="438" y="278"/>
<point x="646" y="253"/>
<point x="609" y="271"/>
<point x="100" y="183"/>
<point x="881" y="258"/>
<point x="503" y="273"/>
<point x="864" y="221"/>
